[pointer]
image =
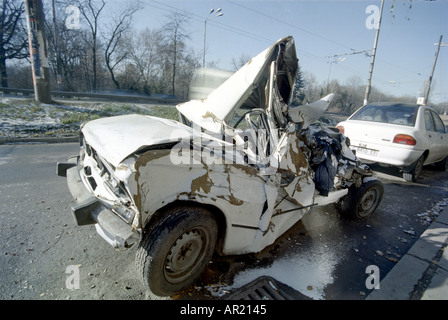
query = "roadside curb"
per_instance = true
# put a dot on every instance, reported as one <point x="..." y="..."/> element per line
<point x="39" y="140"/>
<point x="423" y="272"/>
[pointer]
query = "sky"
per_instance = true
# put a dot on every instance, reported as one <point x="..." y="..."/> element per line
<point x="328" y="35"/>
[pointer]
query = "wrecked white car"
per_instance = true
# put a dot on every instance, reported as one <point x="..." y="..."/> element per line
<point x="237" y="171"/>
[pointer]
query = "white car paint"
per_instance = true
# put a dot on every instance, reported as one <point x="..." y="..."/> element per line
<point x="127" y="162"/>
<point x="115" y="138"/>
<point x="243" y="87"/>
<point x="245" y="182"/>
<point x="309" y="113"/>
<point x="373" y="141"/>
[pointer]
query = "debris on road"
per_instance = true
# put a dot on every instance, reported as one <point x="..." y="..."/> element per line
<point x="431" y="214"/>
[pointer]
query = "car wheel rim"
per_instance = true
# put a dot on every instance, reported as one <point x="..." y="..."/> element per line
<point x="368" y="201"/>
<point x="185" y="255"/>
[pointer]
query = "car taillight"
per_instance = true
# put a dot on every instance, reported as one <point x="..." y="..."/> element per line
<point x="341" y="129"/>
<point x="405" y="139"/>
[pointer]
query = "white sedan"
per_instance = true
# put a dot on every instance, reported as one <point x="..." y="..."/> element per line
<point x="407" y="136"/>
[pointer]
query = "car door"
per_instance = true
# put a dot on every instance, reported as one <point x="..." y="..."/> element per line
<point x="440" y="137"/>
<point x="435" y="138"/>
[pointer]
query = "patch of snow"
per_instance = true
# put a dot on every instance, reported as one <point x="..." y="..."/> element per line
<point x="307" y="273"/>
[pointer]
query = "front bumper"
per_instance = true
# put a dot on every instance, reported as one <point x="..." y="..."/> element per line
<point x="90" y="210"/>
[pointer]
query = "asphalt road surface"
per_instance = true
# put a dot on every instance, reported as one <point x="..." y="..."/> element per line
<point x="321" y="257"/>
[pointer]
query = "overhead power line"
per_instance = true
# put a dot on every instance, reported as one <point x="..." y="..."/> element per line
<point x="219" y="24"/>
<point x="200" y="18"/>
<point x="223" y="26"/>
<point x="366" y="52"/>
<point x="319" y="36"/>
<point x="290" y="25"/>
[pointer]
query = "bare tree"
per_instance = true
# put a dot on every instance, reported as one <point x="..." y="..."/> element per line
<point x="106" y="47"/>
<point x="312" y="89"/>
<point x="175" y="36"/>
<point x="115" y="52"/>
<point x="353" y="97"/>
<point x="69" y="52"/>
<point x="241" y="61"/>
<point x="13" y="35"/>
<point x="145" y="55"/>
<point x="91" y="11"/>
<point x="186" y="68"/>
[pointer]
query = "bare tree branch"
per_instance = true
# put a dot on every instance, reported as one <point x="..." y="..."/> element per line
<point x="121" y="23"/>
<point x="13" y="35"/>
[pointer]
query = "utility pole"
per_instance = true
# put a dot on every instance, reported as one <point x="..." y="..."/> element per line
<point x="369" y="81"/>
<point x="428" y="88"/>
<point x="38" y="50"/>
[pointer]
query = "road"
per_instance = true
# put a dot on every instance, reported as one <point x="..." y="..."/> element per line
<point x="322" y="256"/>
<point x="40" y="239"/>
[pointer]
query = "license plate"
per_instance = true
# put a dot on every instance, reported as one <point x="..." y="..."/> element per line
<point x="368" y="152"/>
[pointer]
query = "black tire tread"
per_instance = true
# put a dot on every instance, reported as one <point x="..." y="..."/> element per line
<point x="158" y="231"/>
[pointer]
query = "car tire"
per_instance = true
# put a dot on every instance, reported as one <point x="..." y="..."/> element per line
<point x="361" y="203"/>
<point x="176" y="250"/>
<point x="412" y="176"/>
<point x="442" y="165"/>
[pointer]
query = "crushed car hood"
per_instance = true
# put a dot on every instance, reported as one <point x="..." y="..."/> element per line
<point x="115" y="138"/>
<point x="245" y="88"/>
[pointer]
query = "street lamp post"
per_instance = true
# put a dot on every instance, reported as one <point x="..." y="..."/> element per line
<point x="218" y="14"/>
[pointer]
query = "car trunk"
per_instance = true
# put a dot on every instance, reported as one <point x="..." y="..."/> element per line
<point x="370" y="134"/>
